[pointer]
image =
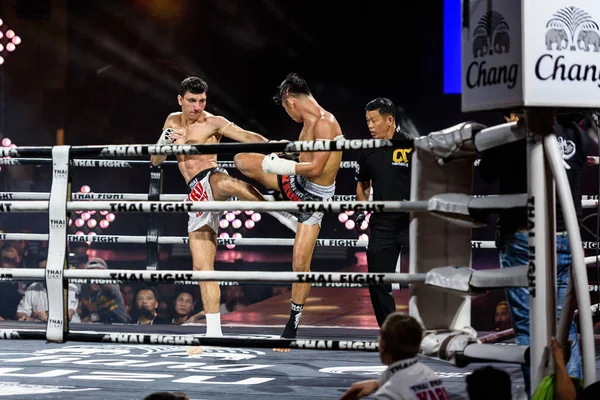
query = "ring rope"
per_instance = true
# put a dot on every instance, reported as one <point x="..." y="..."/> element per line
<point x="95" y="163"/>
<point x="127" y="196"/>
<point x="137" y="150"/>
<point x="177" y="207"/>
<point x="587" y="201"/>
<point x="130" y="239"/>
<point x="172" y="276"/>
<point x="194" y="340"/>
<point x="217" y="206"/>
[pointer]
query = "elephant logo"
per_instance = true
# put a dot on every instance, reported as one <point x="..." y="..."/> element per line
<point x="574" y="28"/>
<point x="491" y="35"/>
<point x="588" y="38"/>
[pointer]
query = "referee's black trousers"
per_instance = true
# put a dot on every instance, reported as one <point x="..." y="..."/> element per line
<point x="382" y="256"/>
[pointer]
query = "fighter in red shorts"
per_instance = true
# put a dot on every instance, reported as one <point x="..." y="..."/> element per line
<point x="312" y="178"/>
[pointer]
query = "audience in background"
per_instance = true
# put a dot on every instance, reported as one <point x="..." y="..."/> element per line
<point x="10" y="256"/>
<point x="34" y="304"/>
<point x="102" y="303"/>
<point x="183" y="307"/>
<point x="232" y="299"/>
<point x="11" y="292"/>
<point x="502" y="317"/>
<point x="146" y="307"/>
<point x="128" y="293"/>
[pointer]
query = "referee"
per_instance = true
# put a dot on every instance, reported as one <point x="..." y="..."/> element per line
<point x="387" y="172"/>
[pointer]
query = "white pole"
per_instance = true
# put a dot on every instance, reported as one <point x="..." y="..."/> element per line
<point x="539" y="257"/>
<point x="578" y="267"/>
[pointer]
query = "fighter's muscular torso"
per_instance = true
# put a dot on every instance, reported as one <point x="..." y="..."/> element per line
<point x="199" y="132"/>
<point x="330" y="171"/>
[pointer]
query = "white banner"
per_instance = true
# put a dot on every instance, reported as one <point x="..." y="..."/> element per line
<point x="57" y="244"/>
<point x="491" y="56"/>
<point x="561" y="53"/>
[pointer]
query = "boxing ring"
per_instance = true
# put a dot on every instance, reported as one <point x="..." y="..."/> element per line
<point x="441" y="280"/>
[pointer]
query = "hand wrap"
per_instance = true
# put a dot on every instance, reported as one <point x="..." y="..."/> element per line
<point x="272" y="164"/>
<point x="165" y="137"/>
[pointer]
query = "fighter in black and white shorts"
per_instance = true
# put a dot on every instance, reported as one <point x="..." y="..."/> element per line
<point x="298" y="188"/>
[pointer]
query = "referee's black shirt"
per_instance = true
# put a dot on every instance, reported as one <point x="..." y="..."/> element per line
<point x="389" y="169"/>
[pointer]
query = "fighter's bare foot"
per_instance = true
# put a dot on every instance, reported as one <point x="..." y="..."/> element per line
<point x="196" y="350"/>
<point x="282" y="350"/>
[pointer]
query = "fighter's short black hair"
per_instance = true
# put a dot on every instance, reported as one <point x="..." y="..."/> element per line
<point x="385" y="106"/>
<point x="292" y="85"/>
<point x="193" y="85"/>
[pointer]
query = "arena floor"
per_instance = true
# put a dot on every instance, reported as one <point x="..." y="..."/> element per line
<point x="33" y="369"/>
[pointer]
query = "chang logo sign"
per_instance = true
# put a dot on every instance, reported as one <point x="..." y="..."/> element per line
<point x="570" y="30"/>
<point x="491" y="37"/>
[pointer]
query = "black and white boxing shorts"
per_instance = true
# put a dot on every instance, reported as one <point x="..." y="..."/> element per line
<point x="298" y="188"/>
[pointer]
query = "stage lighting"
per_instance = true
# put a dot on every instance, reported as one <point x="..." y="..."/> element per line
<point x="8" y="43"/>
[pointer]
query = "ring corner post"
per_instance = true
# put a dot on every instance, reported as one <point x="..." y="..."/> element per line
<point x="541" y="237"/>
<point x="58" y="322"/>
<point x="152" y="246"/>
<point x="578" y="280"/>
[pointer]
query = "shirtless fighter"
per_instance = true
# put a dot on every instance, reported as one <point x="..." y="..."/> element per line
<point x="312" y="178"/>
<point x="206" y="181"/>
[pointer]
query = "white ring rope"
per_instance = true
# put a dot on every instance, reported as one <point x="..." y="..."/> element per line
<point x="126" y="196"/>
<point x="141" y="150"/>
<point x="178" y="207"/>
<point x="587" y="201"/>
<point x="124" y="163"/>
<point x="168" y="276"/>
<point x="95" y="163"/>
<point x="129" y="239"/>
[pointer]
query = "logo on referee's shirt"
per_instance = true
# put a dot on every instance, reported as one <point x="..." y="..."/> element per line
<point x="400" y="157"/>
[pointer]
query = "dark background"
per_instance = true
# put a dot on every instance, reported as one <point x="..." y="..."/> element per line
<point x="108" y="72"/>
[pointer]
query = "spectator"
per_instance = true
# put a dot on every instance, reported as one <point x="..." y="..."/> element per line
<point x="233" y="298"/>
<point x="102" y="303"/>
<point x="78" y="255"/>
<point x="10" y="256"/>
<point x="559" y="386"/>
<point x="478" y="384"/>
<point x="184" y="305"/>
<point x="502" y="317"/>
<point x="34" y="304"/>
<point x="146" y="307"/>
<point x="405" y="378"/>
<point x="128" y="292"/>
<point x="22" y="247"/>
<point x="164" y="309"/>
<point x="11" y="292"/>
<point x="512" y="229"/>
